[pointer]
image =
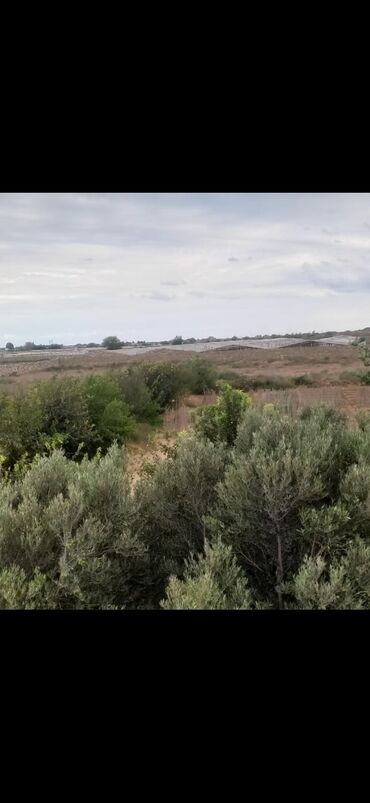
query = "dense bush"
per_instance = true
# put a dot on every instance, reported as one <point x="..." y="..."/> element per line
<point x="87" y="414"/>
<point x="256" y="508"/>
<point x="172" y="502"/>
<point x="199" y="375"/>
<point x="66" y="537"/>
<point x="81" y="414"/>
<point x="165" y="383"/>
<point x="343" y="584"/>
<point x="65" y="410"/>
<point x="20" y="426"/>
<point x="108" y="411"/>
<point x="169" y="381"/>
<point x="214" y="581"/>
<point x="136" y="393"/>
<point x="219" y="422"/>
<point x="293" y="488"/>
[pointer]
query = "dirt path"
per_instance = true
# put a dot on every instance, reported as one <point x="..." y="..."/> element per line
<point x="153" y="449"/>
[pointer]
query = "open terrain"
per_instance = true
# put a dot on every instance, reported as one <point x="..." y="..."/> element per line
<point x="332" y="369"/>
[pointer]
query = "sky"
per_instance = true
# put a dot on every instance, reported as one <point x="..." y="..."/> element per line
<point x="80" y="266"/>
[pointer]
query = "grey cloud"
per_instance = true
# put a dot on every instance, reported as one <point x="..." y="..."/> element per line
<point x="330" y="277"/>
<point x="132" y="243"/>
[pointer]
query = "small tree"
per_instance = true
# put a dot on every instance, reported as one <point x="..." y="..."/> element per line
<point x="9" y="346"/>
<point x="214" y="581"/>
<point x="219" y="422"/>
<point x="112" y="342"/>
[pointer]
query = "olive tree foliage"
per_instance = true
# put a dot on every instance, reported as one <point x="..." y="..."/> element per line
<point x="219" y="422"/>
<point x="173" y="501"/>
<point x="292" y="489"/>
<point x="212" y="581"/>
<point x="342" y="584"/>
<point x="66" y="536"/>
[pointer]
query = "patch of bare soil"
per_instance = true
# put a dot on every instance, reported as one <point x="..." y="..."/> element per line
<point x="153" y="448"/>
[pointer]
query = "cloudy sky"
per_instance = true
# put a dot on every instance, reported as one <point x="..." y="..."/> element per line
<point x="77" y="267"/>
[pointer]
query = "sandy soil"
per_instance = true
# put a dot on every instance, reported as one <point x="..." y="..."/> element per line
<point x="153" y="448"/>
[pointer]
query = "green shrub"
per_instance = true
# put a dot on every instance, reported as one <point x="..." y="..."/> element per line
<point x="198" y="375"/>
<point x="213" y="581"/>
<point x="65" y="410"/>
<point x="219" y="422"/>
<point x="172" y="502"/>
<point x="281" y="469"/>
<point x="66" y="536"/>
<point x="21" y="424"/>
<point x="136" y="393"/>
<point x="344" y="584"/>
<point x="165" y="383"/>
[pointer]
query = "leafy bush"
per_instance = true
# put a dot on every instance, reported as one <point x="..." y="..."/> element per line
<point x="172" y="502"/>
<point x="109" y="414"/>
<point x="65" y="410"/>
<point x="214" y="581"/>
<point x="21" y="425"/>
<point x="82" y="415"/>
<point x="256" y="508"/>
<point x="135" y="392"/>
<point x="198" y="375"/>
<point x="219" y="422"/>
<point x="344" y="584"/>
<point x="165" y="383"/>
<point x="66" y="537"/>
<point x="284" y="473"/>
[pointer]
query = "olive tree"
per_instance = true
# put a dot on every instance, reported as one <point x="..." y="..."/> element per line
<point x="212" y="581"/>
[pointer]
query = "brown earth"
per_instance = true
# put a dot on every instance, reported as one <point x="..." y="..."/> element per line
<point x="333" y="368"/>
<point x="324" y="363"/>
<point x="152" y="448"/>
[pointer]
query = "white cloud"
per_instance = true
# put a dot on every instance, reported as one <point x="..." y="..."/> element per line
<point x="88" y="264"/>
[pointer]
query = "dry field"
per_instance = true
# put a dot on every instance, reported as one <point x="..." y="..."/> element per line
<point x="332" y="368"/>
<point x="350" y="399"/>
<point x="326" y="362"/>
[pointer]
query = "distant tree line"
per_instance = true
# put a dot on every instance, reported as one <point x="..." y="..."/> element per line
<point x="30" y="346"/>
<point x="112" y="342"/>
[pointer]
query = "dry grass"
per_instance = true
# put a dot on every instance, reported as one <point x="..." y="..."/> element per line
<point x="350" y="399"/>
<point x="333" y="369"/>
<point x="326" y="362"/>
